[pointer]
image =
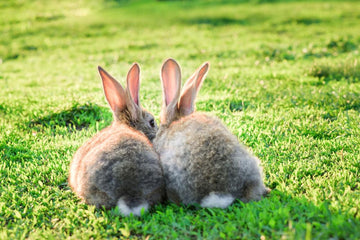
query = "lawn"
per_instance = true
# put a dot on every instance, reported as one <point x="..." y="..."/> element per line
<point x="284" y="78"/>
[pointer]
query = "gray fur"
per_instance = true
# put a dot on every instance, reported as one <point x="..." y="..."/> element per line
<point x="200" y="156"/>
<point x="119" y="162"/>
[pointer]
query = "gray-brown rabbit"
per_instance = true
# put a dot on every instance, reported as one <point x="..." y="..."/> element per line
<point x="202" y="161"/>
<point x="118" y="166"/>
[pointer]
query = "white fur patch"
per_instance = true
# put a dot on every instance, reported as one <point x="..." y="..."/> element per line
<point x="125" y="210"/>
<point x="217" y="200"/>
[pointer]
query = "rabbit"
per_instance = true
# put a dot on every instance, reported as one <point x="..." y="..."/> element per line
<point x="118" y="166"/>
<point x="203" y="163"/>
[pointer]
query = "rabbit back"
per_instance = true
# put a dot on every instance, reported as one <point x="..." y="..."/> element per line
<point x="118" y="166"/>
<point x="204" y="163"/>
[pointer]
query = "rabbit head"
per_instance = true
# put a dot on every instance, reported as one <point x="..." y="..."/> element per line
<point x="176" y="105"/>
<point x="125" y="104"/>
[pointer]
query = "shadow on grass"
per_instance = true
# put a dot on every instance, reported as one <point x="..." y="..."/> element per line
<point x="224" y="105"/>
<point x="49" y="18"/>
<point x="339" y="71"/>
<point x="14" y="152"/>
<point x="217" y="21"/>
<point x="6" y="109"/>
<point x="142" y="46"/>
<point x="304" y="21"/>
<point x="278" y="216"/>
<point x="77" y="117"/>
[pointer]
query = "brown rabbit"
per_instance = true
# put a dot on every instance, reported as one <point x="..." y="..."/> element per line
<point x="202" y="161"/>
<point x="118" y="166"/>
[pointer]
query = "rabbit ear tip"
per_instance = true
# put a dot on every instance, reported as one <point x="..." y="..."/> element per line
<point x="136" y="66"/>
<point x="100" y="69"/>
<point x="170" y="60"/>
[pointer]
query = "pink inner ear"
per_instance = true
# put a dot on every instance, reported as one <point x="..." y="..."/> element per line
<point x="170" y="75"/>
<point x="186" y="103"/>
<point x="201" y="74"/>
<point x="133" y="82"/>
<point x="114" y="93"/>
<point x="191" y="87"/>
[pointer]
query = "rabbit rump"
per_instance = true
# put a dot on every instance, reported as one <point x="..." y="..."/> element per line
<point x="118" y="166"/>
<point x="202" y="161"/>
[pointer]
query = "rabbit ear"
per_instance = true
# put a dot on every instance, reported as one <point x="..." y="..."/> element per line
<point x="133" y="82"/>
<point x="195" y="74"/>
<point x="114" y="92"/>
<point x="171" y="81"/>
<point x="190" y="90"/>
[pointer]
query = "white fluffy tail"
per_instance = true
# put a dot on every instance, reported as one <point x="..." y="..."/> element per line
<point x="126" y="210"/>
<point x="217" y="200"/>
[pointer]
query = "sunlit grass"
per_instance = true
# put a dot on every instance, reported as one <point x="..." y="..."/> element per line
<point x="284" y="78"/>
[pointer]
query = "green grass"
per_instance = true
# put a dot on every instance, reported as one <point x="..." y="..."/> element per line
<point x="284" y="78"/>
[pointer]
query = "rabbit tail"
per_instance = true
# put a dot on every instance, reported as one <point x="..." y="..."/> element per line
<point x="127" y="207"/>
<point x="217" y="200"/>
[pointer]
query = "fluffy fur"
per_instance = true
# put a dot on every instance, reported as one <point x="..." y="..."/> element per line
<point x="136" y="210"/>
<point x="119" y="166"/>
<point x="217" y="200"/>
<point x="199" y="156"/>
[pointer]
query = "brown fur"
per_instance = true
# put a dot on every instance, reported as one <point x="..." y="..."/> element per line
<point x="119" y="161"/>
